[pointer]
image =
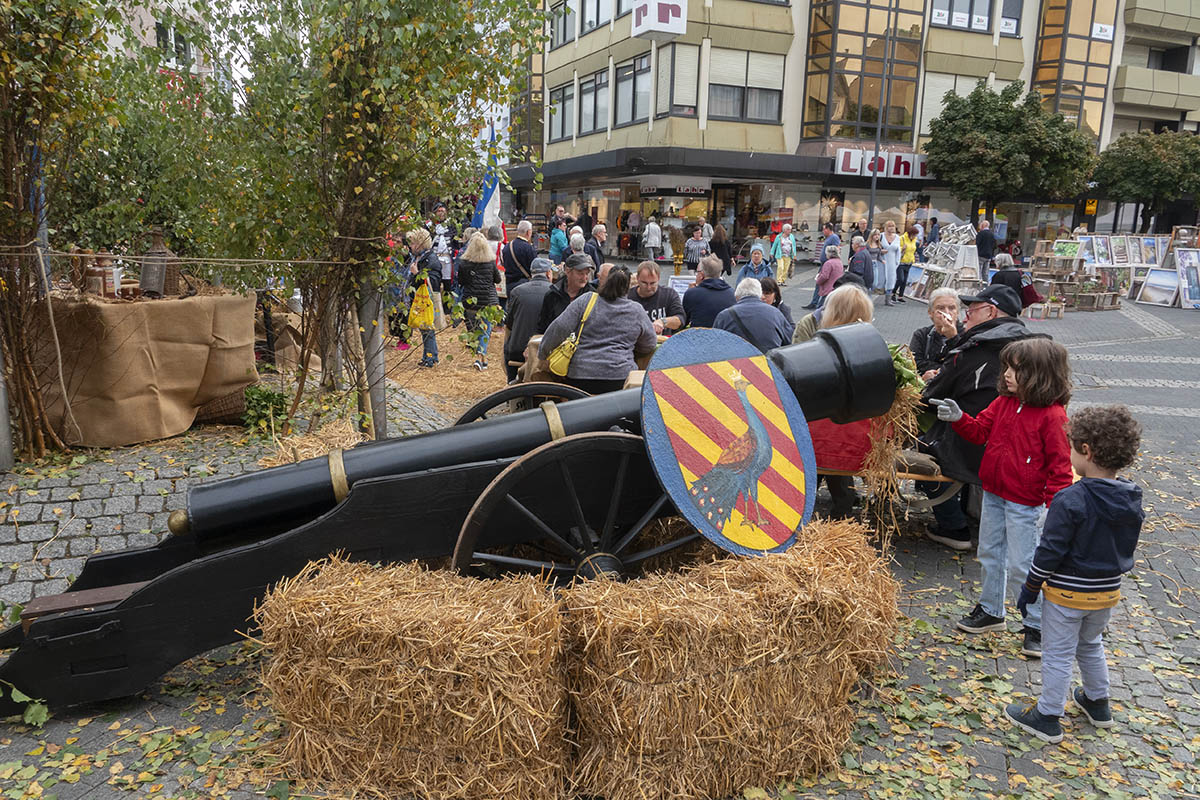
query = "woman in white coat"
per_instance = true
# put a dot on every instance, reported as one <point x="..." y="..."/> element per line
<point x="890" y="243"/>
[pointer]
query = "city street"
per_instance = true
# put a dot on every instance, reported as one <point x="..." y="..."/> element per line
<point x="931" y="727"/>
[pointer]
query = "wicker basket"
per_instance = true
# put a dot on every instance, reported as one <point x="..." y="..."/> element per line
<point x="227" y="410"/>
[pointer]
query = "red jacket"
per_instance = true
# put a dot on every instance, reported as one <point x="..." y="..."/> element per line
<point x="841" y="447"/>
<point x="1027" y="458"/>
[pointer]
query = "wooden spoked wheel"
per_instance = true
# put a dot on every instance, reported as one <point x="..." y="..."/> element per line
<point x="578" y="506"/>
<point x="519" y="397"/>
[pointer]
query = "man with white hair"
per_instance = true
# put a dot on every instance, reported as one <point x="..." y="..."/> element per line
<point x="577" y="244"/>
<point x="517" y="256"/>
<point x="706" y="230"/>
<point x="783" y="253"/>
<point x="595" y="245"/>
<point x="759" y="323"/>
<point x="709" y="296"/>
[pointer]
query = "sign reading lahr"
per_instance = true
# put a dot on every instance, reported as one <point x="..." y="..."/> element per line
<point x="659" y="20"/>
<point x="853" y="161"/>
<point x="674" y="186"/>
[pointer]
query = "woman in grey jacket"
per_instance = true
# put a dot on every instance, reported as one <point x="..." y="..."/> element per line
<point x="616" y="331"/>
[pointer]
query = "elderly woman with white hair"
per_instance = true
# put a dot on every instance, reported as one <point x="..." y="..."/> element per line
<point x="783" y="253"/>
<point x="929" y="344"/>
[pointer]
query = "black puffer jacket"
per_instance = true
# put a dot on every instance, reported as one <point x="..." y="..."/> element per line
<point x="928" y="347"/>
<point x="478" y="280"/>
<point x="970" y="372"/>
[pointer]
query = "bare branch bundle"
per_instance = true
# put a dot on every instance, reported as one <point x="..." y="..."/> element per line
<point x="403" y="682"/>
<point x="731" y="674"/>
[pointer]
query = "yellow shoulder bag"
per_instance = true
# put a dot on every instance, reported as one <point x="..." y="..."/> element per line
<point x="560" y="357"/>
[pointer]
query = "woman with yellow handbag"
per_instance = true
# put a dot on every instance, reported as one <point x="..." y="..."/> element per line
<point x="424" y="288"/>
<point x="592" y="345"/>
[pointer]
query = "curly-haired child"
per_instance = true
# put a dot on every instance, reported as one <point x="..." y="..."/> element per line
<point x="1088" y="542"/>
<point x="1025" y="462"/>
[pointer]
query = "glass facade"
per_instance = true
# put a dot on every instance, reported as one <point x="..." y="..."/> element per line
<point x="1074" y="51"/>
<point x="845" y="86"/>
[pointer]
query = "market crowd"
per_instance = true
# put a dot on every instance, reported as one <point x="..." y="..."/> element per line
<point x="1036" y="494"/>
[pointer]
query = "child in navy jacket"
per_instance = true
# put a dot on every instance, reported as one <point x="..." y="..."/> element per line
<point x="1088" y="542"/>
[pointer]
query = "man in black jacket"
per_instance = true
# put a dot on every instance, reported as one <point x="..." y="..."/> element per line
<point x="565" y="289"/>
<point x="595" y="245"/>
<point x="517" y="256"/>
<point x="969" y="376"/>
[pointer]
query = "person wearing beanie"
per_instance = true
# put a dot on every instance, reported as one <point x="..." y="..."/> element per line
<point x="757" y="267"/>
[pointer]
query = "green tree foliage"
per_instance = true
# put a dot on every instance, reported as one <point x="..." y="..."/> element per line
<point x="992" y="147"/>
<point x="1154" y="169"/>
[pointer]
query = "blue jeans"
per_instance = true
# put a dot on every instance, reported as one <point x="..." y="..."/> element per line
<point x="429" y="345"/>
<point x="816" y="296"/>
<point x="1070" y="635"/>
<point x="485" y="336"/>
<point x="1008" y="535"/>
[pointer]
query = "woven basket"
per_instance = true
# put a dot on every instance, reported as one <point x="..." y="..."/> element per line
<point x="227" y="410"/>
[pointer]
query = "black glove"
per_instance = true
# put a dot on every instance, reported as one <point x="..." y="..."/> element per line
<point x="1028" y="595"/>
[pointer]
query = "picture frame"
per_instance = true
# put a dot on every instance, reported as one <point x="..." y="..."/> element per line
<point x="1119" y="247"/>
<point x="1187" y="266"/>
<point x="1149" y="248"/>
<point x="1103" y="251"/>
<point x="1087" y="250"/>
<point x="1066" y="248"/>
<point x="1161" y="245"/>
<point x="1137" y="277"/>
<point x="1159" y="288"/>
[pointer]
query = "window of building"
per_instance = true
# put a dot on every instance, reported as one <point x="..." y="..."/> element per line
<point x="562" y="112"/>
<point x="562" y="24"/>
<point x="624" y="7"/>
<point x="632" y="103"/>
<point x="175" y="47"/>
<point x="593" y="103"/>
<point x="1072" y="62"/>
<point x="596" y="13"/>
<point x="1010" y="18"/>
<point x="745" y="85"/>
<point x="968" y="15"/>
<point x="678" y="80"/>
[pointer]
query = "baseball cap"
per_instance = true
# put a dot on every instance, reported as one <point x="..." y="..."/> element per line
<point x="1002" y="297"/>
<point x="541" y="266"/>
<point x="579" y="261"/>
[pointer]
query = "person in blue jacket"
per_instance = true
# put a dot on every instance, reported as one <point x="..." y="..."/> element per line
<point x="709" y="296"/>
<point x="757" y="267"/>
<point x="559" y="246"/>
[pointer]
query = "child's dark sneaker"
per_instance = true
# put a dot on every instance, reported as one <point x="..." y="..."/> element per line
<point x="955" y="540"/>
<point x="1096" y="710"/>
<point x="1035" y="722"/>
<point x="979" y="621"/>
<point x="1031" y="644"/>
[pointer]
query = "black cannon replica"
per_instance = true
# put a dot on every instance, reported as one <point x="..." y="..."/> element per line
<point x="562" y="489"/>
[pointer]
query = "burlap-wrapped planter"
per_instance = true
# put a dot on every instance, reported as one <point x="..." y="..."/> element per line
<point x="731" y="674"/>
<point x="403" y="682"/>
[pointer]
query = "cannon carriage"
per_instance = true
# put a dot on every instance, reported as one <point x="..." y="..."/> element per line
<point x="567" y="489"/>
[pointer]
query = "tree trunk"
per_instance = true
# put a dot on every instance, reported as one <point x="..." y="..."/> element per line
<point x="975" y="213"/>
<point x="370" y="323"/>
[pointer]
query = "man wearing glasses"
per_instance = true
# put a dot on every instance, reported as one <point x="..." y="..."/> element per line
<point x="969" y="376"/>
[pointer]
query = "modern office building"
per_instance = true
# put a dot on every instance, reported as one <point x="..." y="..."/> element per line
<point x="755" y="112"/>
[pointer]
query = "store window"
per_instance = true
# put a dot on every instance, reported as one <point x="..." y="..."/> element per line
<point x="632" y="103"/>
<point x="967" y="15"/>
<point x="562" y="112"/>
<point x="678" y="80"/>
<point x="844" y="86"/>
<point x="595" y="14"/>
<point x="1010" y="18"/>
<point x="745" y="85"/>
<point x="593" y="103"/>
<point x="562" y="25"/>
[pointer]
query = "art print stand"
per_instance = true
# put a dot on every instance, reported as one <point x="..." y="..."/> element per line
<point x="1187" y="266"/>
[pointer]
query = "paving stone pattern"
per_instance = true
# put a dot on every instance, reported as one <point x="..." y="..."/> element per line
<point x="931" y="728"/>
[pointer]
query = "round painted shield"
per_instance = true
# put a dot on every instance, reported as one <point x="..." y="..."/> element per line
<point x="728" y="441"/>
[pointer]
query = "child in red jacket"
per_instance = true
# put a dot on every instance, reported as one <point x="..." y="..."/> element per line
<point x="1025" y="462"/>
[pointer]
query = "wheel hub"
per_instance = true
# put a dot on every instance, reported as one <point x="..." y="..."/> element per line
<point x="600" y="565"/>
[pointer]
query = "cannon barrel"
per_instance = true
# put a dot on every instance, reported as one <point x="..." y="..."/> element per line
<point x="844" y="374"/>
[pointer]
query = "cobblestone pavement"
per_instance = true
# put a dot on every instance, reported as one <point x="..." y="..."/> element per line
<point x="931" y="729"/>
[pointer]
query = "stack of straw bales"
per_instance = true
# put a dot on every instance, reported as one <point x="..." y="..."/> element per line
<point x="406" y="682"/>
<point x="732" y="674"/>
<point x="694" y="684"/>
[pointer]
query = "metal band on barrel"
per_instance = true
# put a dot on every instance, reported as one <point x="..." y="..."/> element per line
<point x="337" y="475"/>
<point x="553" y="420"/>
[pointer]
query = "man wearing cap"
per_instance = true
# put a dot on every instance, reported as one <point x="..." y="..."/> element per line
<point x="578" y="269"/>
<point x="522" y="311"/>
<point x="969" y="376"/>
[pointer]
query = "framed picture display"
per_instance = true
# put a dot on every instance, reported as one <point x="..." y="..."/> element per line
<point x="1087" y="250"/>
<point x="1137" y="277"/>
<point x="1161" y="244"/>
<point x="1100" y="246"/>
<point x="1160" y="287"/>
<point x="1149" y="250"/>
<point x="915" y="275"/>
<point x="1187" y="265"/>
<point x="1066" y="248"/>
<point x="1119" y="245"/>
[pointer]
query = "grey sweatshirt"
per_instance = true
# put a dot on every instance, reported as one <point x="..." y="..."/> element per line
<point x="614" y="331"/>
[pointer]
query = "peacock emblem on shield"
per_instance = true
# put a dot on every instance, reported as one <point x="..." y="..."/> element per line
<point x="737" y="470"/>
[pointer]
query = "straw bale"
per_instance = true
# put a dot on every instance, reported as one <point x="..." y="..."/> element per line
<point x="339" y="434"/>
<point x="403" y="682"/>
<point x="730" y="674"/>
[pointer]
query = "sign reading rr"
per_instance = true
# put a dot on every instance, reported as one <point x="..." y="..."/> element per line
<point x="659" y="20"/>
<point x="852" y="161"/>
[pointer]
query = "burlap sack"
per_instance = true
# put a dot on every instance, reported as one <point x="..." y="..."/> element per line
<point x="137" y="371"/>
